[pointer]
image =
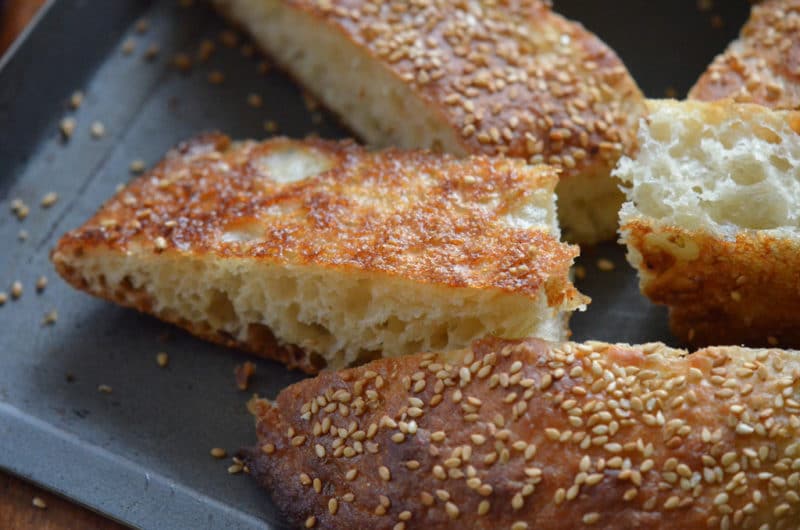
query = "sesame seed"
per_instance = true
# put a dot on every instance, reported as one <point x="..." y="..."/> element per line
<point x="97" y="130"/>
<point x="152" y="52"/>
<point x="104" y="389"/>
<point x="319" y="450"/>
<point x="519" y="525"/>
<point x="218" y="452"/>
<point x="160" y="243"/>
<point x="182" y="62"/>
<point x="235" y="469"/>
<point x="76" y="99"/>
<point x="311" y="521"/>
<point x="333" y="506"/>
<point x="38" y="502"/>
<point x="162" y="359"/>
<point x="67" y="127"/>
<point x="3" y="298"/>
<point x="384" y="473"/>
<point x="268" y="448"/>
<point x="215" y="77"/>
<point x="254" y="100"/>
<point x="49" y="199"/>
<point x="591" y="518"/>
<point x="128" y="46"/>
<point x="605" y="265"/>
<point x="452" y="510"/>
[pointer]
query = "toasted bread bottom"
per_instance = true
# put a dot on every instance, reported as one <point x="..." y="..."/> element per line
<point x="742" y="291"/>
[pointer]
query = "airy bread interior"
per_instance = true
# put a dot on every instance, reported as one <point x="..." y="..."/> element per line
<point x="715" y="167"/>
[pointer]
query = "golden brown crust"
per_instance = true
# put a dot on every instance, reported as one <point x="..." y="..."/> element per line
<point x="526" y="434"/>
<point x="763" y="65"/>
<point x="738" y="291"/>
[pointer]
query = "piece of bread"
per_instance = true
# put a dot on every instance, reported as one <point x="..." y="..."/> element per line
<point x="480" y="77"/>
<point x="532" y="435"/>
<point x="763" y="64"/>
<point x="713" y="220"/>
<point x="319" y="253"/>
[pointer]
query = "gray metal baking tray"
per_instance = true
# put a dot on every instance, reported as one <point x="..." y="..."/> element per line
<point x="140" y="454"/>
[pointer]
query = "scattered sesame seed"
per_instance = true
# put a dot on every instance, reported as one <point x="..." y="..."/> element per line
<point x="38" y="502"/>
<point x="271" y="126"/>
<point x="235" y="468"/>
<point x="605" y="265"/>
<point x="3" y="298"/>
<point x="333" y="506"/>
<point x="105" y="389"/>
<point x="162" y="359"/>
<point x="50" y="318"/>
<point x="16" y="290"/>
<point x="452" y="510"/>
<point x="41" y="284"/>
<point x="152" y="52"/>
<point x="76" y="99"/>
<point x="67" y="127"/>
<point x="254" y="100"/>
<point x="591" y="518"/>
<point x="97" y="130"/>
<point x="311" y="521"/>
<point x="49" y="199"/>
<point x="205" y="50"/>
<point x="218" y="452"/>
<point x="215" y="77"/>
<point x="137" y="166"/>
<point x="128" y="46"/>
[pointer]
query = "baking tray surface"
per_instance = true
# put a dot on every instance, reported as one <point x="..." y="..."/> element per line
<point x="140" y="453"/>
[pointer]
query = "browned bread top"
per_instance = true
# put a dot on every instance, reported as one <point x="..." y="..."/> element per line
<point x="763" y="65"/>
<point x="512" y="77"/>
<point x="526" y="434"/>
<point x="415" y="215"/>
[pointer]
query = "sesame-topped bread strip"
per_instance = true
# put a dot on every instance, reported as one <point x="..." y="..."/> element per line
<point x="321" y="254"/>
<point x="534" y="435"/>
<point x="484" y="77"/>
<point x="763" y="64"/>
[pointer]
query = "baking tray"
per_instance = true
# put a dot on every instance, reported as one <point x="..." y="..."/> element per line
<point x="140" y="454"/>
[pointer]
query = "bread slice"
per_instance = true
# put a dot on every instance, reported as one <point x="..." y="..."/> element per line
<point x="484" y="77"/>
<point x="321" y="254"/>
<point x="763" y="64"/>
<point x="712" y="221"/>
<point x="531" y="435"/>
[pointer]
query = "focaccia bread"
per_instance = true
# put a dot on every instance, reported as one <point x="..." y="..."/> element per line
<point x="321" y="254"/>
<point x="484" y="77"/>
<point x="533" y="435"/>
<point x="712" y="221"/>
<point x="763" y="64"/>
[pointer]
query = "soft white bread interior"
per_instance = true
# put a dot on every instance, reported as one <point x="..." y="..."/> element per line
<point x="712" y="221"/>
<point x="344" y="254"/>
<point x="722" y="168"/>
<point x="493" y="78"/>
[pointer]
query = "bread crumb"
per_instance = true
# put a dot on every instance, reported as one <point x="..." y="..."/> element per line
<point x="16" y="290"/>
<point x="106" y="389"/>
<point x="243" y="374"/>
<point x="50" y="318"/>
<point x="128" y="46"/>
<point x="142" y="25"/>
<point x="207" y="47"/>
<point x="271" y="126"/>
<point x="38" y="502"/>
<point x="162" y="359"/>
<point x="605" y="265"/>
<point x="182" y="62"/>
<point x="41" y="283"/>
<point x="20" y="209"/>
<point x="3" y="298"/>
<point x="229" y="38"/>
<point x="152" y="52"/>
<point x="76" y="99"/>
<point x="254" y="100"/>
<point x="216" y="77"/>
<point x="49" y="199"/>
<point x="218" y="452"/>
<point x="67" y="127"/>
<point x="97" y="129"/>
<point x="137" y="166"/>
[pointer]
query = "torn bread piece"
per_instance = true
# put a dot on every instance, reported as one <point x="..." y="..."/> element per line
<point x="509" y="78"/>
<point x="763" y="64"/>
<point x="712" y="222"/>
<point x="534" y="435"/>
<point x="322" y="254"/>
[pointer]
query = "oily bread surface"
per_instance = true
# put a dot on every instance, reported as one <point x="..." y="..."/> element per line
<point x="220" y="238"/>
<point x="508" y="78"/>
<point x="526" y="434"/>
